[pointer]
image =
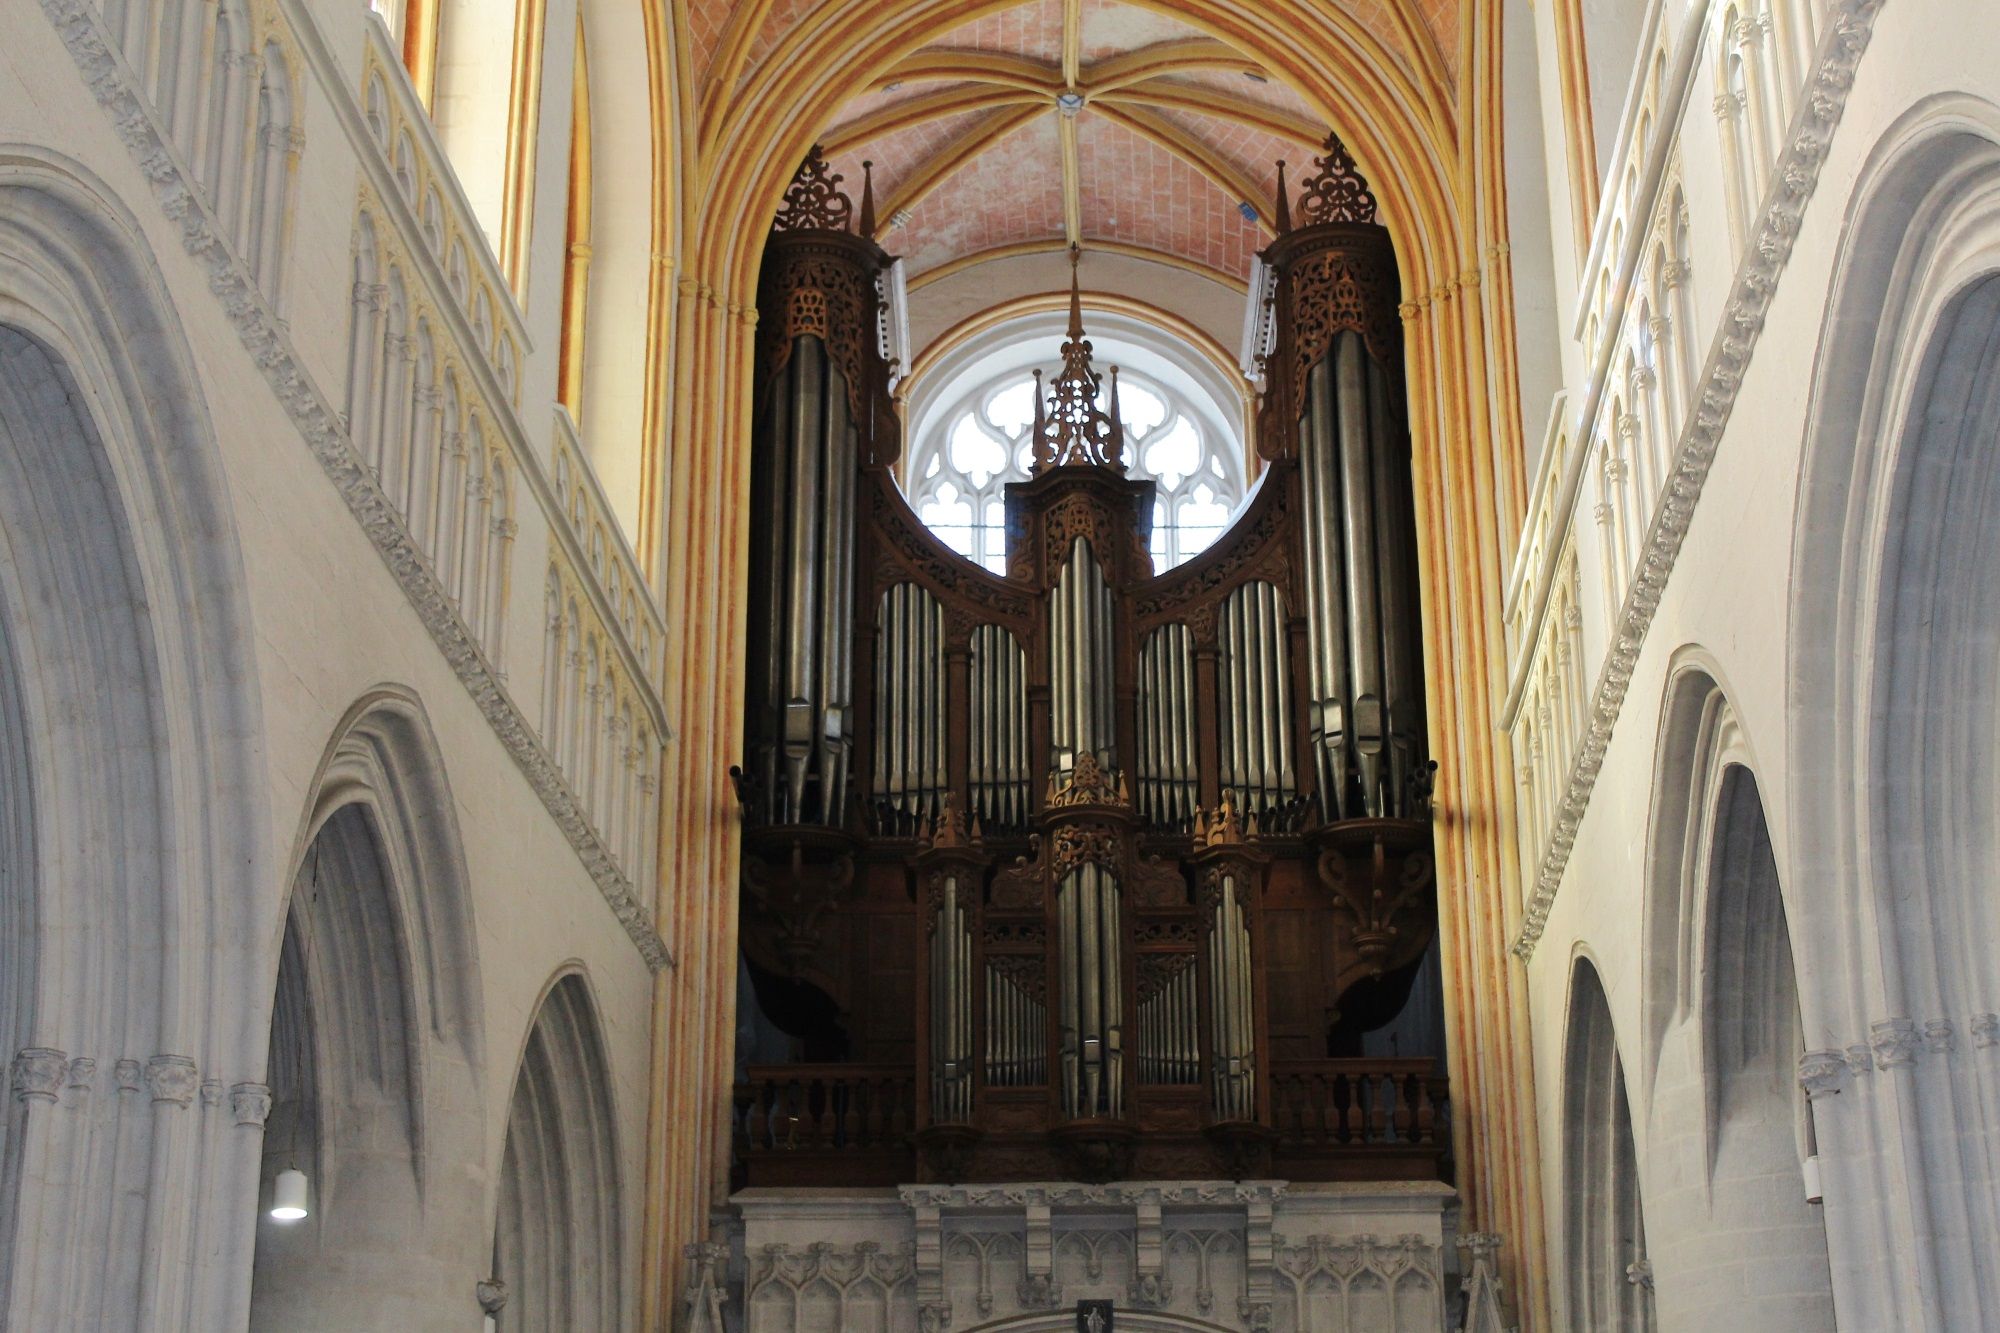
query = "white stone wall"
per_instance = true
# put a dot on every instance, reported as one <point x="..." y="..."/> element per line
<point x="1749" y="598"/>
<point x="319" y="605"/>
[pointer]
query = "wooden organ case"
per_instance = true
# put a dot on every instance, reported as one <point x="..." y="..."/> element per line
<point x="1070" y="873"/>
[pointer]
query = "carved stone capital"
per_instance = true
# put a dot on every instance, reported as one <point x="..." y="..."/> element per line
<point x="38" y="1073"/>
<point x="172" y="1078"/>
<point x="250" y="1103"/>
<point x="1821" y="1073"/>
<point x="1895" y="1043"/>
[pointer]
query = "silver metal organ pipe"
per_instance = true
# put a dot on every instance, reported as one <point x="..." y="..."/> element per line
<point x="808" y="392"/>
<point x="1245" y="1015"/>
<point x="1364" y="625"/>
<point x="1072" y="1050"/>
<point x="1277" y="725"/>
<point x="986" y="704"/>
<point x="1111" y="960"/>
<point x="1282" y="674"/>
<point x="837" y="647"/>
<point x="1062" y="727"/>
<point x="1258" y="767"/>
<point x="1091" y="1024"/>
<point x="777" y="518"/>
<point x="1403" y="701"/>
<point x="1329" y="615"/>
<point x="889" y="674"/>
<point x="1185" y="767"/>
<point x="1218" y="1022"/>
<point x="933" y="718"/>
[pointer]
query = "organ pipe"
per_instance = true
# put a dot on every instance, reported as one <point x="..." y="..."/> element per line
<point x="1081" y="662"/>
<point x="909" y="738"/>
<point x="1231" y="1015"/>
<point x="951" y="1007"/>
<point x="1255" y="673"/>
<point x="999" y="733"/>
<point x="1091" y="978"/>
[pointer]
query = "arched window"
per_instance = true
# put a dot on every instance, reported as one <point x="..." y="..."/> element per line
<point x="970" y="436"/>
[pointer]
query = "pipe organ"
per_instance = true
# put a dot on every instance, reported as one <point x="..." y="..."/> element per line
<point x="1083" y="863"/>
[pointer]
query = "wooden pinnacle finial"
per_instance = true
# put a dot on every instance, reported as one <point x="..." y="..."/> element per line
<point x="1075" y="293"/>
<point x="868" y="199"/>
<point x="1284" y="219"/>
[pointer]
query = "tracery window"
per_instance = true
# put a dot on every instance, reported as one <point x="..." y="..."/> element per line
<point x="959" y="469"/>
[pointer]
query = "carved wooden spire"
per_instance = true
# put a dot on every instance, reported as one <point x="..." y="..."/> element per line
<point x="1337" y="192"/>
<point x="1074" y="430"/>
<point x="814" y="200"/>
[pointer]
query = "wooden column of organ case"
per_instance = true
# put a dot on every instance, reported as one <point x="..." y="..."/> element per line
<point x="1069" y="872"/>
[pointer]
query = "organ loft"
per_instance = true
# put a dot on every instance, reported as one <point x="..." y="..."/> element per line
<point x="1088" y="870"/>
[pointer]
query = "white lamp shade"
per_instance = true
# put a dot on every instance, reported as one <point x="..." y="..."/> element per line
<point x="288" y="1197"/>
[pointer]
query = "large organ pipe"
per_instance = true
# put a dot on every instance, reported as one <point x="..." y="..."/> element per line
<point x="1397" y="544"/>
<point x="803" y="627"/>
<point x="1232" y="1017"/>
<point x="1081" y="662"/>
<point x="951" y="1008"/>
<point x="836" y="643"/>
<point x="800" y="692"/>
<point x="1327" y="600"/>
<point x="1364" y="623"/>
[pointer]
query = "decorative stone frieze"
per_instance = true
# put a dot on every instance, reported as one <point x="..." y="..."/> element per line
<point x="973" y="1257"/>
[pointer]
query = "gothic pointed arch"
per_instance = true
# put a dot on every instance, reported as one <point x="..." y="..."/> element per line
<point x="1606" y="1280"/>
<point x="559" y="1241"/>
<point x="1895" y="807"/>
<point x="376" y="1049"/>
<point x="131" y="888"/>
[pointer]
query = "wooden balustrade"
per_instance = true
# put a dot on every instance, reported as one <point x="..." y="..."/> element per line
<point x="850" y="1125"/>
<point x="1359" y="1119"/>
<point x="839" y="1124"/>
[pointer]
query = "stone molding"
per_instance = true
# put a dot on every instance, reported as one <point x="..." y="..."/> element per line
<point x="267" y="340"/>
<point x="1060" y="1195"/>
<point x="1794" y="178"/>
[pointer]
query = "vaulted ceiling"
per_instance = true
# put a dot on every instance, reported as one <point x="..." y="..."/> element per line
<point x="1108" y="124"/>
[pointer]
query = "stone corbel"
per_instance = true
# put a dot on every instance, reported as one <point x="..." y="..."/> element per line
<point x="1260" y="1257"/>
<point x="1151" y="1288"/>
<point x="930" y="1262"/>
<point x="1038" y="1286"/>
